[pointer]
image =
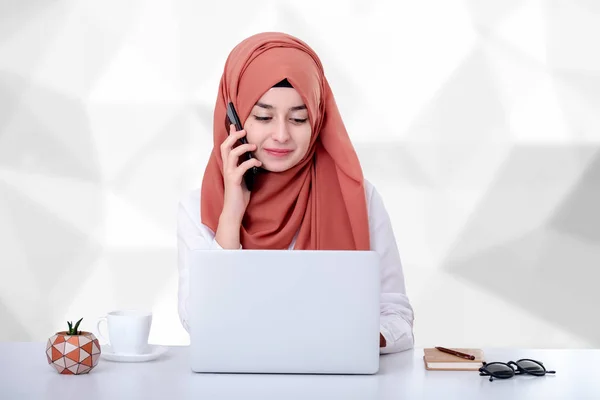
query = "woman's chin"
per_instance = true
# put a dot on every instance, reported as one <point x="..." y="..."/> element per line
<point x="273" y="168"/>
<point x="276" y="166"/>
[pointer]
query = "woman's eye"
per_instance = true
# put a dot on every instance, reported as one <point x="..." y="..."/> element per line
<point x="295" y="120"/>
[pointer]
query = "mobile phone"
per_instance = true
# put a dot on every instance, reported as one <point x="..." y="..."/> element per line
<point x="250" y="174"/>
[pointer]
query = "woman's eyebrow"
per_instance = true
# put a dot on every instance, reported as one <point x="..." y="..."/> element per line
<point x="270" y="107"/>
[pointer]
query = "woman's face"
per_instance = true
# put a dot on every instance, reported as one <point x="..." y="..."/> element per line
<point x="279" y="127"/>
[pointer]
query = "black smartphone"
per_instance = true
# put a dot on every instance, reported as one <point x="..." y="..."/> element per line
<point x="235" y="120"/>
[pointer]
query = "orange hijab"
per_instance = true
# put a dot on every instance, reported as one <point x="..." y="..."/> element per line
<point x="323" y="196"/>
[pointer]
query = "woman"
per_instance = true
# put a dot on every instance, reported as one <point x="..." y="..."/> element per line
<point x="310" y="192"/>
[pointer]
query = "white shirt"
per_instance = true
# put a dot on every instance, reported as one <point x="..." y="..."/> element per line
<point x="396" y="312"/>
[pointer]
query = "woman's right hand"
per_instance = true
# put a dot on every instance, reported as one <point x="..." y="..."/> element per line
<point x="237" y="196"/>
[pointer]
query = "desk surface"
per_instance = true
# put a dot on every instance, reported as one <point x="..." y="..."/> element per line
<point x="25" y="374"/>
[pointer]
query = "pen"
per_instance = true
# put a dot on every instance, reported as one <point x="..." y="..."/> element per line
<point x="456" y="353"/>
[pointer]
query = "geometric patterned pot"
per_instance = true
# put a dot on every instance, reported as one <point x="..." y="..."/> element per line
<point x="73" y="354"/>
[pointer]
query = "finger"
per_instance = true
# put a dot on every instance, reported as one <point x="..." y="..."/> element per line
<point x="241" y="149"/>
<point x="234" y="155"/>
<point x="227" y="144"/>
<point x="236" y="175"/>
<point x="245" y="166"/>
<point x="231" y="139"/>
<point x="234" y="133"/>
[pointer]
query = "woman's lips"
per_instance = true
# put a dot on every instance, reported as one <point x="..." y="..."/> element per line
<point x="278" y="152"/>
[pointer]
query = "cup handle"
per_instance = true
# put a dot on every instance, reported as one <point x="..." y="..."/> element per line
<point x="100" y="320"/>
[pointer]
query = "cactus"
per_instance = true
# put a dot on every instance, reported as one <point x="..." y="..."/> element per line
<point x="73" y="329"/>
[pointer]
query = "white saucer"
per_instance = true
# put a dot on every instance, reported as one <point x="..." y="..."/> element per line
<point x="153" y="353"/>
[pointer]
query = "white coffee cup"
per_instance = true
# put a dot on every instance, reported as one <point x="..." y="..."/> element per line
<point x="128" y="331"/>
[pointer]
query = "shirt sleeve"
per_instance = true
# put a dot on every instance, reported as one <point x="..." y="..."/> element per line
<point x="191" y="235"/>
<point x="396" y="311"/>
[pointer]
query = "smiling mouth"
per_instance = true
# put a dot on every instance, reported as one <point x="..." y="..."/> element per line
<point x="278" y="152"/>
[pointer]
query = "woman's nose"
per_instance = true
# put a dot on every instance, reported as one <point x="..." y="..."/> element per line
<point x="281" y="133"/>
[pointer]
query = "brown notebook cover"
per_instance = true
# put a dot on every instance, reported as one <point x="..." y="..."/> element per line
<point x="440" y="361"/>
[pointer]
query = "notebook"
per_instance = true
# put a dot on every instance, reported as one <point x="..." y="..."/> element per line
<point x="438" y="360"/>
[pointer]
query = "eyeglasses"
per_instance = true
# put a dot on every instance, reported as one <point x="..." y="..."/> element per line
<point x="502" y="370"/>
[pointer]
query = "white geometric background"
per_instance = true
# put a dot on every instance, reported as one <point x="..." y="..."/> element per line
<point x="478" y="121"/>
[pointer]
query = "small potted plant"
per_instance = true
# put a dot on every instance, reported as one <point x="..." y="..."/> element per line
<point x="73" y="352"/>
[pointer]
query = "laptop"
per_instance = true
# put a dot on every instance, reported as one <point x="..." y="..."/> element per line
<point x="284" y="311"/>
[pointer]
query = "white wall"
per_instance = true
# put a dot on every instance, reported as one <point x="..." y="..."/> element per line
<point x="477" y="120"/>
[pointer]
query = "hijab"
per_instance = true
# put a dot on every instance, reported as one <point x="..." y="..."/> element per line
<point x="322" y="198"/>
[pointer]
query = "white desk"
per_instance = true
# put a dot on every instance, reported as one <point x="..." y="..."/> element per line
<point x="25" y="374"/>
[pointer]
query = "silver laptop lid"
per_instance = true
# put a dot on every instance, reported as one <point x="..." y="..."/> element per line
<point x="284" y="311"/>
